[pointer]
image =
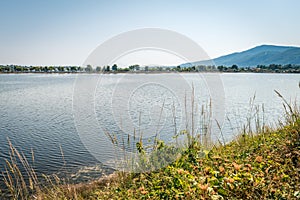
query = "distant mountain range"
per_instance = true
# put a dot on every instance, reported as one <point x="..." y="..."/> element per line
<point x="260" y="55"/>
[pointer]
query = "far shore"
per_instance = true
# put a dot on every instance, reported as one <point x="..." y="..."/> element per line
<point x="157" y="72"/>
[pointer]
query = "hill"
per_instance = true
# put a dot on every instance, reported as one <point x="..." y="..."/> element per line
<point x="260" y="55"/>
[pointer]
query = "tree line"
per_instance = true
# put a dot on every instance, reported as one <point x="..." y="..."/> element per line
<point x="272" y="68"/>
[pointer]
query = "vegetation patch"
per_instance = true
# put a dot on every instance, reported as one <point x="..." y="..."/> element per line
<point x="265" y="166"/>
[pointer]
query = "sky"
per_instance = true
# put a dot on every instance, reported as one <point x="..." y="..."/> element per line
<point x="65" y="32"/>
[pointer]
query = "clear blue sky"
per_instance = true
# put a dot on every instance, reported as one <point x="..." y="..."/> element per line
<point x="65" y="32"/>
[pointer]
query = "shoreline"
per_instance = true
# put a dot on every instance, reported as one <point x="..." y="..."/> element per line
<point x="156" y="72"/>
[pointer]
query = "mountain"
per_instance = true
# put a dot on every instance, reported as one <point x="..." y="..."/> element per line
<point x="260" y="55"/>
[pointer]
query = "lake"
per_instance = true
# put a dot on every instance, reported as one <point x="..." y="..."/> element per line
<point x="57" y="116"/>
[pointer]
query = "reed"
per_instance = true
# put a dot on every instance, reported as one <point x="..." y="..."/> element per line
<point x="17" y="185"/>
<point x="22" y="181"/>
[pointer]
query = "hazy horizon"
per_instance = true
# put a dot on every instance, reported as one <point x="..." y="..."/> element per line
<point x="66" y="32"/>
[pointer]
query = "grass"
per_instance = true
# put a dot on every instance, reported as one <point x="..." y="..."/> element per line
<point x="265" y="166"/>
<point x="256" y="165"/>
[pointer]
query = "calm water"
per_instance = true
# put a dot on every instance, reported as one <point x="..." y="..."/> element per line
<point x="37" y="110"/>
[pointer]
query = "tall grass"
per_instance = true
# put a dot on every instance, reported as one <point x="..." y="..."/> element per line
<point x="22" y="181"/>
<point x="18" y="186"/>
<point x="292" y="111"/>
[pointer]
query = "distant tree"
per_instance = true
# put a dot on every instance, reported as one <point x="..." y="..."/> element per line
<point x="51" y="69"/>
<point x="89" y="68"/>
<point x="74" y="68"/>
<point x="159" y="69"/>
<point x="5" y="68"/>
<point x="114" y="67"/>
<point x="201" y="68"/>
<point x="146" y="68"/>
<point x="134" y="67"/>
<point x="234" y="67"/>
<point x="60" y="69"/>
<point x="261" y="66"/>
<point x="19" y="68"/>
<point x="221" y="68"/>
<point x="210" y="67"/>
<point x="287" y="66"/>
<point x="131" y="67"/>
<point x="37" y="69"/>
<point x="98" y="69"/>
<point x="107" y="68"/>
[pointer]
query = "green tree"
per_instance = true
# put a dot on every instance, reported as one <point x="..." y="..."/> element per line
<point x="98" y="69"/>
<point x="114" y="67"/>
<point x="19" y="68"/>
<point x="89" y="68"/>
<point x="51" y="69"/>
<point x="74" y="68"/>
<point x="221" y="68"/>
<point x="234" y="67"/>
<point x="134" y="67"/>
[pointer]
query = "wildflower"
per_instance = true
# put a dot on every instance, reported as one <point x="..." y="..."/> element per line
<point x="222" y="169"/>
<point x="229" y="180"/>
<point x="203" y="187"/>
<point x="249" y="166"/>
<point x="236" y="166"/>
<point x="141" y="188"/>
<point x="259" y="159"/>
<point x="180" y="171"/>
<point x="144" y="192"/>
<point x="207" y="169"/>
